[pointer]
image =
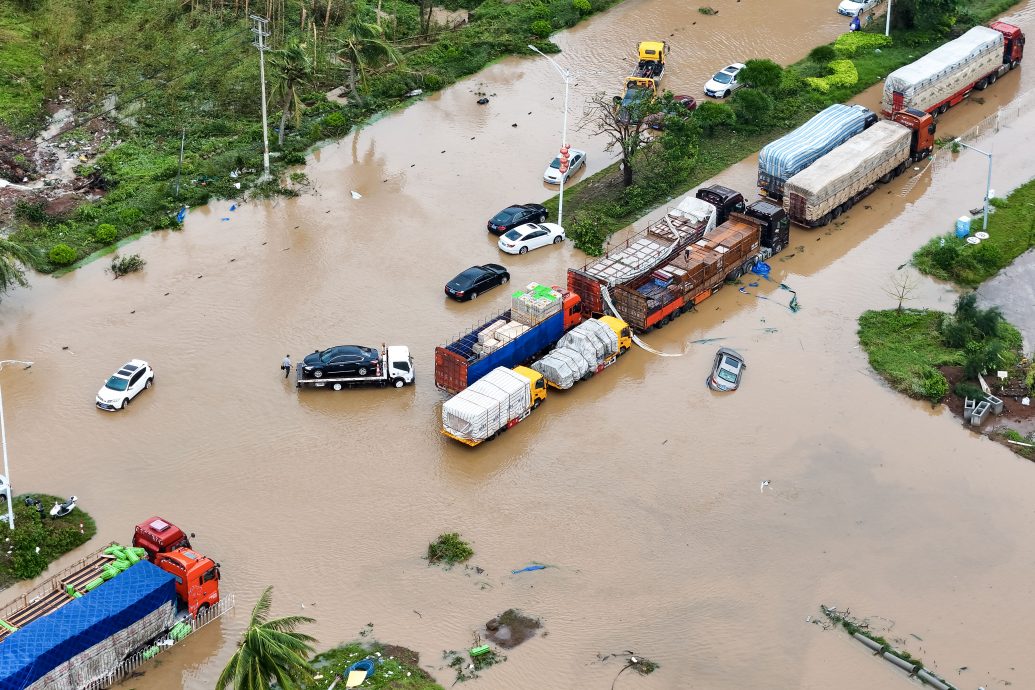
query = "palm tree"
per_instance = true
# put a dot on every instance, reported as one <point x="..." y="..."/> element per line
<point x="365" y="43"/>
<point x="269" y="650"/>
<point x="294" y="68"/>
<point x="13" y="258"/>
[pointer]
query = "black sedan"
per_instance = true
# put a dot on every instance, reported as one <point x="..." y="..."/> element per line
<point x="343" y="360"/>
<point x="513" y="216"/>
<point x="476" y="280"/>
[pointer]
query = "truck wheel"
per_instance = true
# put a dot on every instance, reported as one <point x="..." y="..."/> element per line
<point x="362" y="371"/>
<point x="336" y="386"/>
<point x="777" y="248"/>
<point x="748" y="265"/>
<point x="318" y="373"/>
<point x="886" y="178"/>
<point x="1013" y="65"/>
<point x="992" y="78"/>
<point x="202" y="610"/>
<point x="981" y="85"/>
<point x="825" y="220"/>
<point x="943" y="109"/>
<point x="537" y="403"/>
<point x="398" y="383"/>
<point x="901" y="168"/>
<point x="836" y="212"/>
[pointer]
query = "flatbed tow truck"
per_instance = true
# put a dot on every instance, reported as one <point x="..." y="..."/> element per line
<point x="394" y="369"/>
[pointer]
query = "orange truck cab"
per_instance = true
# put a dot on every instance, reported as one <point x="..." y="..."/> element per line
<point x="197" y="578"/>
<point x="1013" y="42"/>
<point x="156" y="536"/>
<point x="923" y="126"/>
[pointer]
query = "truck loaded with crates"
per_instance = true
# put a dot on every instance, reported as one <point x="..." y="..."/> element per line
<point x="726" y="253"/>
<point x="838" y="180"/>
<point x="948" y="74"/>
<point x="780" y="160"/>
<point x="538" y="317"/>
<point x="77" y="628"/>
<point x="643" y="252"/>
<point x="504" y="397"/>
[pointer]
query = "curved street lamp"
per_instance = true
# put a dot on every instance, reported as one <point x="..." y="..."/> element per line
<point x="566" y="76"/>
<point x="6" y="479"/>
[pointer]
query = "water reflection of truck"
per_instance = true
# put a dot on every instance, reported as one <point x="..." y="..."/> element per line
<point x="948" y="74"/>
<point x="76" y="629"/>
<point x="838" y="180"/>
<point x="505" y="397"/>
<point x="780" y="160"/>
<point x="725" y="253"/>
<point x="646" y="250"/>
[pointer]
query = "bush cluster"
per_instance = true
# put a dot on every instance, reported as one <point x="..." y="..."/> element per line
<point x="449" y="548"/>
<point x="843" y="73"/>
<point x="124" y="265"/>
<point x="847" y="45"/>
<point x="106" y="232"/>
<point x="61" y="255"/>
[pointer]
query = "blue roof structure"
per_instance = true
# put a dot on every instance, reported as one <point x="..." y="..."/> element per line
<point x="33" y="651"/>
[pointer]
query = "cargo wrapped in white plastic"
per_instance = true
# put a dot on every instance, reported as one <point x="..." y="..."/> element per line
<point x="563" y="367"/>
<point x="943" y="72"/>
<point x="594" y="340"/>
<point x="489" y="331"/>
<point x="846" y="171"/>
<point x="485" y="407"/>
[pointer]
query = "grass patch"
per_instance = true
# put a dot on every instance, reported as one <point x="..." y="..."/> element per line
<point x="54" y="536"/>
<point x="397" y="668"/>
<point x="905" y="348"/>
<point x="450" y="549"/>
<point x="602" y="200"/>
<point x="1011" y="232"/>
<point x="21" y="71"/>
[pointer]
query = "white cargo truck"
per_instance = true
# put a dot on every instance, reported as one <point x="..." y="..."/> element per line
<point x="492" y="404"/>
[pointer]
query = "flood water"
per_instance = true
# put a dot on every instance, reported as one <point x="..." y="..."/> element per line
<point x="640" y="485"/>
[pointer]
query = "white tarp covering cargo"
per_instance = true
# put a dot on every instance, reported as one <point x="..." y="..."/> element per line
<point x="944" y="71"/>
<point x="593" y="339"/>
<point x="644" y="254"/>
<point x="780" y="160"/>
<point x="485" y="407"/>
<point x="846" y="171"/>
<point x="563" y="367"/>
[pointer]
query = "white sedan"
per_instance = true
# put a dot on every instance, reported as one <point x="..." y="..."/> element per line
<point x="852" y="8"/>
<point x="125" y="384"/>
<point x="724" y="82"/>
<point x="531" y="236"/>
<point x="576" y="159"/>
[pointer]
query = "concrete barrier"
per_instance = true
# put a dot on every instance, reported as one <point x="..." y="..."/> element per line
<point x="968" y="408"/>
<point x="980" y="413"/>
<point x="995" y="403"/>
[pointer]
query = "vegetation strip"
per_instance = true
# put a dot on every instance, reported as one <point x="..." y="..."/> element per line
<point x="1011" y="232"/>
<point x="53" y="537"/>
<point x="780" y="100"/>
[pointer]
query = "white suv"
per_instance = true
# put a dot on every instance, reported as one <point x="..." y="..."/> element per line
<point x="125" y="384"/>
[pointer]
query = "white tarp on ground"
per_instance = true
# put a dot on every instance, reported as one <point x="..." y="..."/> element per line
<point x="594" y="340"/>
<point x="484" y="407"/>
<point x="851" y="166"/>
<point x="945" y="70"/>
<point x="563" y="367"/>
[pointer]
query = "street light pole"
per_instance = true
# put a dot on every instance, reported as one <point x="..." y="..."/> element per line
<point x="988" y="183"/>
<point x="3" y="442"/>
<point x="887" y="23"/>
<point x="566" y="76"/>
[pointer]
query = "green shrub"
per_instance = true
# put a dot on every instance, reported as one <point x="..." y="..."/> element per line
<point x="335" y="122"/>
<point x="754" y="109"/>
<point x="541" y="28"/>
<point x="106" y="233"/>
<point x="449" y="548"/>
<point x="124" y="265"/>
<point x="31" y="211"/>
<point x="714" y="116"/>
<point x="589" y="230"/>
<point x="761" y="74"/>
<point x="823" y="54"/>
<point x="848" y="44"/>
<point x="969" y="389"/>
<point x="843" y="74"/>
<point x="61" y="254"/>
<point x="582" y="6"/>
<point x="433" y="82"/>
<point x="293" y="158"/>
<point x="707" y="11"/>
<point x="130" y="215"/>
<point x="933" y="385"/>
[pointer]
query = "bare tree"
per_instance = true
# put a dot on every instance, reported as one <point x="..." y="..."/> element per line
<point x="623" y="125"/>
<point x="902" y="287"/>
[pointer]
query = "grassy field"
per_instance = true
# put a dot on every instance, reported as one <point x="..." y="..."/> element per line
<point x="610" y="206"/>
<point x="906" y="348"/>
<point x="54" y="537"/>
<point x="1011" y="230"/>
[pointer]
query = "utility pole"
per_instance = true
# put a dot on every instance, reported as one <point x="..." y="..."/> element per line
<point x="259" y="29"/>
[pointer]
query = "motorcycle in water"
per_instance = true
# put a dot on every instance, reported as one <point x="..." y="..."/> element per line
<point x="63" y="509"/>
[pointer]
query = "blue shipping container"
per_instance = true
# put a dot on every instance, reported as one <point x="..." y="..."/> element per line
<point x="521" y="349"/>
<point x="33" y="651"/>
<point x="780" y="160"/>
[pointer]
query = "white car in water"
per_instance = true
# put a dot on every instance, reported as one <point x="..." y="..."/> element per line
<point x="531" y="236"/>
<point x="724" y="82"/>
<point x="851" y="8"/>
<point x="128" y="382"/>
<point x="576" y="159"/>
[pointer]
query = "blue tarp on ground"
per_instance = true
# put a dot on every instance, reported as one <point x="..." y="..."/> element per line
<point x="31" y="652"/>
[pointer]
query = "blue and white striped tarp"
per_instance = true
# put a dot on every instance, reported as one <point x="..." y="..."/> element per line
<point x="791" y="154"/>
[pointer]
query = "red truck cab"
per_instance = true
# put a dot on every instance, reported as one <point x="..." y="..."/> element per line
<point x="156" y="536"/>
<point x="197" y="578"/>
<point x="923" y="126"/>
<point x="1013" y="42"/>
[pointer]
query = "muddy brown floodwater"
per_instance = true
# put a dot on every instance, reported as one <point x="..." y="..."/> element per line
<point x="640" y="486"/>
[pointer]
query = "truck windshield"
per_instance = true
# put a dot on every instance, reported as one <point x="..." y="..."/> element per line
<point x="117" y="383"/>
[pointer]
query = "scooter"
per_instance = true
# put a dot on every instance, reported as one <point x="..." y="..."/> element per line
<point x="63" y="509"/>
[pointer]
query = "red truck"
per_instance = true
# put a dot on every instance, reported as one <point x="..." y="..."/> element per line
<point x="948" y="74"/>
<point x="156" y="535"/>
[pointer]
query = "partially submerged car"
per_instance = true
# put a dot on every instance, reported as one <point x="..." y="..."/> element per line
<point x="128" y="382"/>
<point x="727" y="370"/>
<point x="477" y="280"/>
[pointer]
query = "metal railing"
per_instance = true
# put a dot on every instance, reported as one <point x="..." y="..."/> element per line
<point x="1002" y="117"/>
<point x="126" y="668"/>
